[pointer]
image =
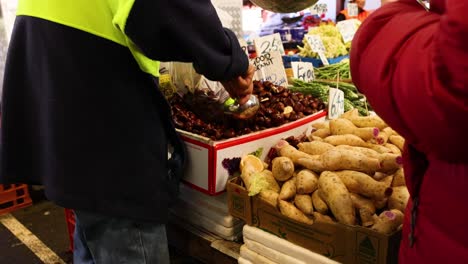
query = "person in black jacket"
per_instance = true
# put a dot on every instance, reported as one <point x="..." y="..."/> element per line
<point x="83" y="116"/>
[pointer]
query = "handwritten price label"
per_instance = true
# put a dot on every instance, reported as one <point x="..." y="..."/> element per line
<point x="316" y="45"/>
<point x="353" y="10"/>
<point x="319" y="9"/>
<point x="267" y="44"/>
<point x="347" y="29"/>
<point x="303" y="71"/>
<point x="335" y="103"/>
<point x="269" y="67"/>
<point x="244" y="46"/>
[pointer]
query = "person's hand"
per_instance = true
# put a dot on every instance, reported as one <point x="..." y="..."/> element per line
<point x="241" y="87"/>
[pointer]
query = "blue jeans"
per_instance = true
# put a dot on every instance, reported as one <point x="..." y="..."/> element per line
<point x="102" y="239"/>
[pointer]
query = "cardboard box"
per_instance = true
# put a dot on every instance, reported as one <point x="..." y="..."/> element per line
<point x="342" y="243"/>
<point x="205" y="171"/>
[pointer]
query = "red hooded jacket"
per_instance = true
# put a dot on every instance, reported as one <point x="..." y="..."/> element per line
<point x="413" y="67"/>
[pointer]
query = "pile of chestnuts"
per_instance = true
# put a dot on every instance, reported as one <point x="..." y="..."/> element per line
<point x="278" y="106"/>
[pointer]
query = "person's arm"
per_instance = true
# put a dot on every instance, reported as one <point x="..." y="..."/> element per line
<point x="188" y="31"/>
<point x="412" y="65"/>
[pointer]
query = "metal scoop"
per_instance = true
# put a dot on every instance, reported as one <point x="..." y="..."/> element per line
<point x="242" y="111"/>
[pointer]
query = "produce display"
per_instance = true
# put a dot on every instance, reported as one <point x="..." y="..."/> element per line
<point x="337" y="71"/>
<point x="320" y="89"/>
<point x="348" y="170"/>
<point x="278" y="106"/>
<point x="331" y="38"/>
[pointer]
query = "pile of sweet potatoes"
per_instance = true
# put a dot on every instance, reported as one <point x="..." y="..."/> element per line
<point x="349" y="171"/>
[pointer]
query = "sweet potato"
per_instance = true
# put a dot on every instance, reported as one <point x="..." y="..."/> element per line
<point x="306" y="181"/>
<point x="350" y="114"/>
<point x="389" y="131"/>
<point x="379" y="148"/>
<point x="363" y="184"/>
<point x="289" y="210"/>
<point x="250" y="165"/>
<point x="350" y="140"/>
<point x="322" y="132"/>
<point x="336" y="195"/>
<point x="380" y="204"/>
<point x="398" y="141"/>
<point x="286" y="150"/>
<point x="368" y="121"/>
<point x="304" y="203"/>
<point x="390" y="162"/>
<point x="388" y="221"/>
<point x="366" y="151"/>
<point x="282" y="168"/>
<point x="318" y="203"/>
<point x="314" y="147"/>
<point x="380" y="139"/>
<point x="341" y="126"/>
<point x="313" y="163"/>
<point x="318" y="217"/>
<point x="270" y="197"/>
<point x="312" y="138"/>
<point x="365" y="207"/>
<point x="379" y="175"/>
<point x="399" y="198"/>
<point x="288" y="190"/>
<point x="342" y="159"/>
<point x="393" y="149"/>
<point x="320" y="125"/>
<point x="399" y="178"/>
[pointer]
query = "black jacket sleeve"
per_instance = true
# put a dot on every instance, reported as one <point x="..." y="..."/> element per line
<point x="187" y="31"/>
<point x="340" y="17"/>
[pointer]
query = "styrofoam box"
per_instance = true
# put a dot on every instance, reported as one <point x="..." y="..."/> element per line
<point x="205" y="172"/>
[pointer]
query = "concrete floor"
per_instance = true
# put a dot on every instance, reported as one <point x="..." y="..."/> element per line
<point x="47" y="222"/>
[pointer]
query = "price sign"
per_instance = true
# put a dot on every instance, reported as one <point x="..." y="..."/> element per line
<point x="268" y="44"/>
<point x="319" y="9"/>
<point x="269" y="67"/>
<point x="353" y="10"/>
<point x="303" y="70"/>
<point x="335" y="103"/>
<point x="244" y="46"/>
<point x="316" y="45"/>
<point x="347" y="29"/>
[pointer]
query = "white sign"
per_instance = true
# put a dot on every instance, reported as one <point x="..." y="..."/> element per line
<point x="347" y="29"/>
<point x="353" y="10"/>
<point x="268" y="44"/>
<point x="244" y="46"/>
<point x="269" y="67"/>
<point x="303" y="70"/>
<point x="319" y="9"/>
<point x="316" y="45"/>
<point x="335" y="103"/>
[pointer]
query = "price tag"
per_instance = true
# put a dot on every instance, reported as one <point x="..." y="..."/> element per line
<point x="335" y="103"/>
<point x="353" y="10"/>
<point x="319" y="9"/>
<point x="303" y="71"/>
<point x="268" y="44"/>
<point x="316" y="45"/>
<point x="269" y="67"/>
<point x="244" y="46"/>
<point x="347" y="29"/>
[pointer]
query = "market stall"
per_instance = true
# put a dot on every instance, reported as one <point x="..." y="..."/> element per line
<point x="315" y="167"/>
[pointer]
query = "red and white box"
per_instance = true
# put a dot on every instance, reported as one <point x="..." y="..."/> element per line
<point x="205" y="171"/>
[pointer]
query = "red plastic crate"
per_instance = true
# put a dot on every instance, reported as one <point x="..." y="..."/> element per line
<point x="70" y="218"/>
<point x="13" y="197"/>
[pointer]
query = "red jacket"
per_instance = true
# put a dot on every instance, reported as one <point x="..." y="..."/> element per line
<point x="413" y="67"/>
